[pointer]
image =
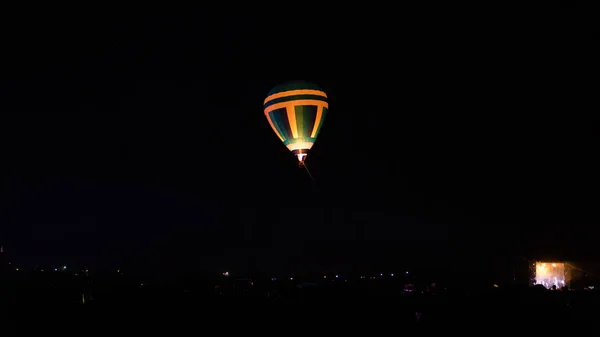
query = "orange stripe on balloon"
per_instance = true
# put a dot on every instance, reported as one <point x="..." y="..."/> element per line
<point x="291" y="114"/>
<point x="317" y="121"/>
<point x="295" y="103"/>
<point x="295" y="92"/>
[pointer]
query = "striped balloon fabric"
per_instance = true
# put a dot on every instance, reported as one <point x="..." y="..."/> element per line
<point x="296" y="111"/>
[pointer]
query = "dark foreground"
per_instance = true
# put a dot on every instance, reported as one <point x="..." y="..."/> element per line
<point x="342" y="308"/>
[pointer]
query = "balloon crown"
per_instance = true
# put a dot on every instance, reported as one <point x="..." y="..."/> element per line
<point x="294" y="85"/>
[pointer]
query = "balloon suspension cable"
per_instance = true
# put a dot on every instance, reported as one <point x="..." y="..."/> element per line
<point x="307" y="171"/>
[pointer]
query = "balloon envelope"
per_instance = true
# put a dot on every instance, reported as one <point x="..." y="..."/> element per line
<point x="296" y="111"/>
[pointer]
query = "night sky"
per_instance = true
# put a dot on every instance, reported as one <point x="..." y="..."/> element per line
<point x="139" y="140"/>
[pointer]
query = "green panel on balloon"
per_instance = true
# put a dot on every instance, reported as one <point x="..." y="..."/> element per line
<point x="305" y="119"/>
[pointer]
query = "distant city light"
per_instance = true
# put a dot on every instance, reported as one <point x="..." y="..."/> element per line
<point x="226" y="273"/>
<point x="336" y="276"/>
<point x="392" y="274"/>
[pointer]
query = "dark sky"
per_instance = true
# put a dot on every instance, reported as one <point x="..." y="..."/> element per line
<point x="138" y="138"/>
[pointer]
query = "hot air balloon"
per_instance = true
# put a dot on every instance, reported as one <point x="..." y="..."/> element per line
<point x="296" y="111"/>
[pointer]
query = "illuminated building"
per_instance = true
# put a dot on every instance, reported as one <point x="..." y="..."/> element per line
<point x="549" y="274"/>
